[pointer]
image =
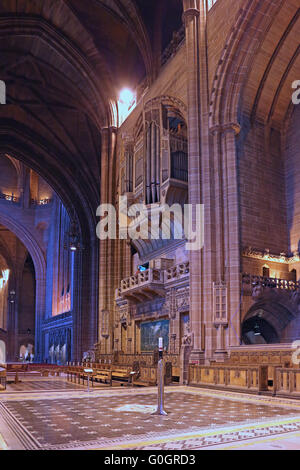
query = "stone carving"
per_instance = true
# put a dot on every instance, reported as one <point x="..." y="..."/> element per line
<point x="169" y="307"/>
<point x="182" y="299"/>
<point x="89" y="356"/>
<point x="257" y="292"/>
<point x="105" y="324"/>
<point x="266" y="256"/>
<point x="167" y="100"/>
<point x="188" y="338"/>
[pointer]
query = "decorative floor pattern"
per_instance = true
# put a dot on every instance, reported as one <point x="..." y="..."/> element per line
<point x="39" y="385"/>
<point x="120" y="418"/>
<point x="209" y="439"/>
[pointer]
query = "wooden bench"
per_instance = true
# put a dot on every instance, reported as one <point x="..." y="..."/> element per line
<point x="74" y="373"/>
<point x="121" y="375"/>
<point x="16" y="369"/>
<point x="102" y="376"/>
<point x="2" y="378"/>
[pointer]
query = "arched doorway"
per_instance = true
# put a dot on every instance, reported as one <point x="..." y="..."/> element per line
<point x="269" y="322"/>
<point x="256" y="330"/>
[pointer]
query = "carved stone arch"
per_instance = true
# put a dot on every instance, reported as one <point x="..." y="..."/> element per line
<point x="15" y="163"/>
<point x="33" y="151"/>
<point x="236" y="59"/>
<point x="38" y="154"/>
<point x="76" y="63"/>
<point x="169" y="101"/>
<point x="267" y="313"/>
<point x="39" y="262"/>
<point x="30" y="243"/>
<point x="5" y="253"/>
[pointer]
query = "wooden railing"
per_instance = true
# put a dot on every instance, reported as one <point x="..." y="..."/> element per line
<point x="248" y="378"/>
<point x="287" y="382"/>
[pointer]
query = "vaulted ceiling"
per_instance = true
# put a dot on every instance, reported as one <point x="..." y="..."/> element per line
<point x="64" y="63"/>
<point x="268" y="92"/>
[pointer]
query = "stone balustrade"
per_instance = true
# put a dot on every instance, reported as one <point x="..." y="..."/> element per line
<point x="141" y="278"/>
<point x="283" y="284"/>
<point x="41" y="202"/>
<point x="177" y="272"/>
<point x="9" y="198"/>
<point x="153" y="280"/>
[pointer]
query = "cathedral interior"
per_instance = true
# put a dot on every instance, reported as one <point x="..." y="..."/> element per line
<point x="149" y="224"/>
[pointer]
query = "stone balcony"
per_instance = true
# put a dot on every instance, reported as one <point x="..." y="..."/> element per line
<point x="9" y="198"/>
<point x="142" y="286"/>
<point x="152" y="283"/>
<point x="252" y="281"/>
<point x="177" y="272"/>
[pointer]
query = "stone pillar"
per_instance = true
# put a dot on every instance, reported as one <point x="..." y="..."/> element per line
<point x="39" y="316"/>
<point x="26" y="186"/>
<point x="12" y="324"/>
<point x="191" y="19"/>
<point x="227" y="231"/>
<point x="232" y="233"/>
<point x="107" y="268"/>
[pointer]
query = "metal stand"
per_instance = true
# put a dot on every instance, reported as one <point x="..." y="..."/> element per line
<point x="160" y="398"/>
<point x="88" y="383"/>
<point x="88" y="372"/>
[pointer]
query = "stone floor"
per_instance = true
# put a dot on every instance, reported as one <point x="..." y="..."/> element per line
<point x="51" y="413"/>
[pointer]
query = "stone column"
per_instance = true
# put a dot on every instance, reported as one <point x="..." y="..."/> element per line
<point x="232" y="233"/>
<point x="39" y="316"/>
<point x="12" y="325"/>
<point x="228" y="231"/>
<point x="191" y="19"/>
<point x="107" y="268"/>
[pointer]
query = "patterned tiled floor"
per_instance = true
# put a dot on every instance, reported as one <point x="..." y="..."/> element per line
<point x="26" y="385"/>
<point x="121" y="418"/>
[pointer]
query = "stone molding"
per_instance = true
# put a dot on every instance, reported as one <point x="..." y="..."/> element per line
<point x="265" y="255"/>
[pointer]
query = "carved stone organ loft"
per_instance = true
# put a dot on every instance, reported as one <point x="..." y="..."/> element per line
<point x="164" y="105"/>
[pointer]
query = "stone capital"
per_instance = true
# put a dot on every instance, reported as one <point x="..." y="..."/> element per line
<point x="109" y="129"/>
<point x="223" y="128"/>
<point x="190" y="9"/>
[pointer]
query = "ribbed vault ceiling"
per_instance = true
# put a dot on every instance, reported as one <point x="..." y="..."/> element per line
<point x="268" y="93"/>
<point x="64" y="62"/>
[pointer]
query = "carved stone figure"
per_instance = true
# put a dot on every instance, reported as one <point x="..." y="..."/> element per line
<point x="188" y="338"/>
<point x="257" y="292"/>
